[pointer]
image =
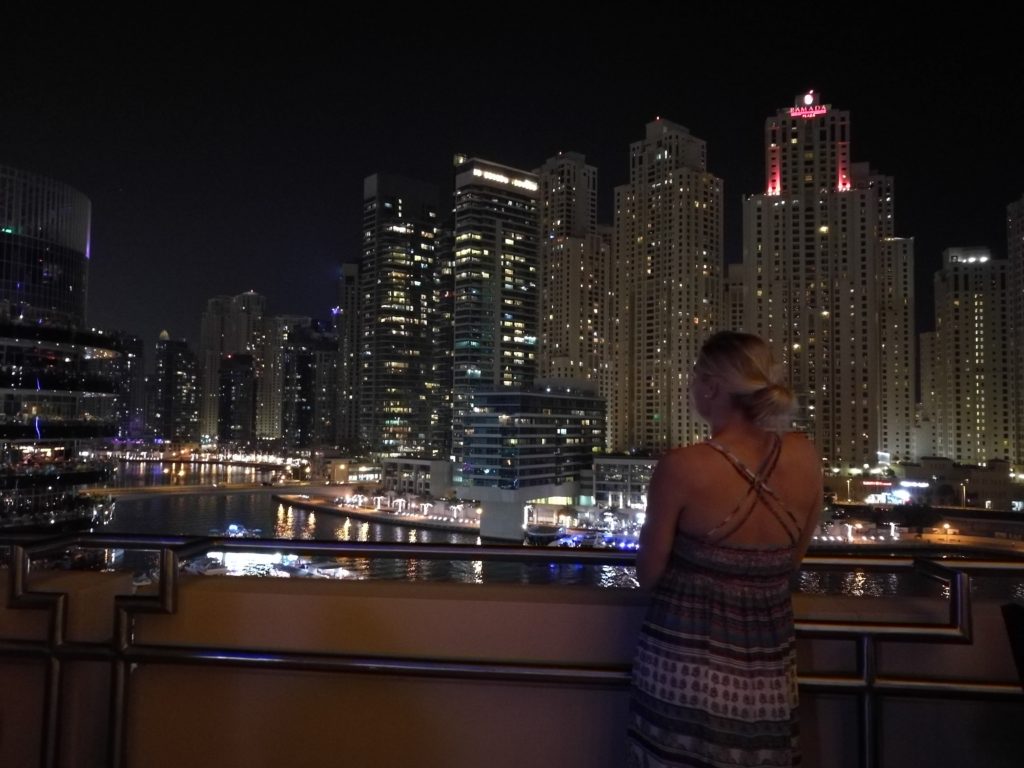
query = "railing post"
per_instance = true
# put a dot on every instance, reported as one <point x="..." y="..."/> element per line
<point x="868" y="716"/>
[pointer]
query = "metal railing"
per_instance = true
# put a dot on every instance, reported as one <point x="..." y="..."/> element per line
<point x="122" y="651"/>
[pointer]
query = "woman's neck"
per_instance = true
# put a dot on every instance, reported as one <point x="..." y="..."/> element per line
<point x="735" y="427"/>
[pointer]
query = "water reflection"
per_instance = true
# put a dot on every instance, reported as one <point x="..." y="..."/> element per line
<point x="134" y="474"/>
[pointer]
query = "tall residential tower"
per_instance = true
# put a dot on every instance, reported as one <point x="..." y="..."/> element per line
<point x="1015" y="257"/>
<point x="575" y="262"/>
<point x="972" y="358"/>
<point x="830" y="286"/>
<point x="668" y="266"/>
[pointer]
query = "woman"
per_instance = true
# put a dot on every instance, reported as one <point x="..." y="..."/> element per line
<point x="728" y="521"/>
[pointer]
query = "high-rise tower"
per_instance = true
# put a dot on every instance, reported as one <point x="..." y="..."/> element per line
<point x="668" y="267"/>
<point x="830" y="286"/>
<point x="1015" y="266"/>
<point x="574" y="272"/>
<point x="972" y="358"/>
<point x="400" y="227"/>
<point x="495" y="283"/>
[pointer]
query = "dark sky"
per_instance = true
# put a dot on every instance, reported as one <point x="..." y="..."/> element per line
<point x="227" y="154"/>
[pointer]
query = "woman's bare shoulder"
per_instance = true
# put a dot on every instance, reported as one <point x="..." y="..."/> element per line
<point x="686" y="454"/>
<point x="686" y="462"/>
<point x="800" y="446"/>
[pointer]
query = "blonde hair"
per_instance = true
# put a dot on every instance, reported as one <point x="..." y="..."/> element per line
<point x="742" y="364"/>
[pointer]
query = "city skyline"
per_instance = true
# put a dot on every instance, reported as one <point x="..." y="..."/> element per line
<point x="221" y="164"/>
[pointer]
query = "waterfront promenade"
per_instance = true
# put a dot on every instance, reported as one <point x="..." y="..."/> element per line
<point x="325" y="502"/>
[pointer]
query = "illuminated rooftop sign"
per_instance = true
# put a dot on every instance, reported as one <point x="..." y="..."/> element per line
<point x="809" y="106"/>
<point x="817" y="109"/>
<point x="502" y="179"/>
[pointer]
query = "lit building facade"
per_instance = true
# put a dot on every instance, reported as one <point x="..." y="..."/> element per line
<point x="668" y="268"/>
<point x="924" y="440"/>
<point x="973" y="358"/>
<point x="272" y="393"/>
<point x="735" y="297"/>
<point x="522" y="439"/>
<point x="62" y="387"/>
<point x="174" y="392"/>
<point x="425" y="478"/>
<point x="58" y="382"/>
<point x="830" y="286"/>
<point x="495" y="265"/>
<point x="1015" y="257"/>
<point x="230" y="325"/>
<point x="131" y="419"/>
<point x="309" y="374"/>
<point x="236" y="400"/>
<point x="621" y="482"/>
<point x="442" y="348"/>
<point x="575" y="263"/>
<point x="397" y="294"/>
<point x="346" y="325"/>
<point x="44" y="249"/>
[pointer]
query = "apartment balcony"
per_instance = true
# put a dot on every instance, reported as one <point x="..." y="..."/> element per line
<point x="195" y="670"/>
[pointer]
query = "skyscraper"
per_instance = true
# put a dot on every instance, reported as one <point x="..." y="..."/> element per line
<point x="400" y="228"/>
<point x="44" y="249"/>
<point x="735" y="298"/>
<point x="443" y="347"/>
<point x="346" y="324"/>
<point x="574" y="271"/>
<point x="668" y="265"/>
<point x="495" y="270"/>
<point x="925" y="437"/>
<point x="309" y="365"/>
<point x="973" y="378"/>
<point x="59" y="383"/>
<point x="1015" y="257"/>
<point x="273" y="387"/>
<point x="132" y="388"/>
<point x="236" y="399"/>
<point x="173" y="403"/>
<point x="829" y="285"/>
<point x="230" y="325"/>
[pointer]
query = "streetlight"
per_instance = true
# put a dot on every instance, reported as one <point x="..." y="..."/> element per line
<point x="963" y="491"/>
<point x="848" y="497"/>
<point x="946" y="526"/>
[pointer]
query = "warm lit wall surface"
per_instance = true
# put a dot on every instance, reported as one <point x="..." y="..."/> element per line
<point x="199" y="715"/>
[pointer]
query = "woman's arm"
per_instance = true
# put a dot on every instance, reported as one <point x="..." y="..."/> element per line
<point x="813" y="514"/>
<point x="665" y="497"/>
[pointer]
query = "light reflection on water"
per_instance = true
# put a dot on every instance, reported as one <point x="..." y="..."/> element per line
<point x="199" y="514"/>
<point x="864" y="583"/>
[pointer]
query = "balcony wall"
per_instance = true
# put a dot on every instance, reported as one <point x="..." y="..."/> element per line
<point x="439" y="675"/>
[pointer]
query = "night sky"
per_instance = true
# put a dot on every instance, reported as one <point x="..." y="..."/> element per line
<point x="227" y="154"/>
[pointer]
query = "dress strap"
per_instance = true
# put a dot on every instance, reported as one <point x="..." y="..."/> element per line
<point x="757" y="490"/>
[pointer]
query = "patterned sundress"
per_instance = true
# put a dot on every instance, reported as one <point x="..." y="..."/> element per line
<point x="714" y="678"/>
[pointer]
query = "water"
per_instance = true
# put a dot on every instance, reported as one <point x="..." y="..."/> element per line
<point x="198" y="514"/>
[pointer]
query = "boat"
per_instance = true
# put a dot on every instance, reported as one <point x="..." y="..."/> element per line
<point x="237" y="531"/>
<point x="597" y="539"/>
<point x="205" y="565"/>
<point x="542" y="533"/>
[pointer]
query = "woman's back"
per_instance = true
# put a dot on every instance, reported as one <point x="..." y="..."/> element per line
<point x="735" y="499"/>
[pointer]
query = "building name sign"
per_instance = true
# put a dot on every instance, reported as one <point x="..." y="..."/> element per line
<point x="502" y="179"/>
<point x="813" y="111"/>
